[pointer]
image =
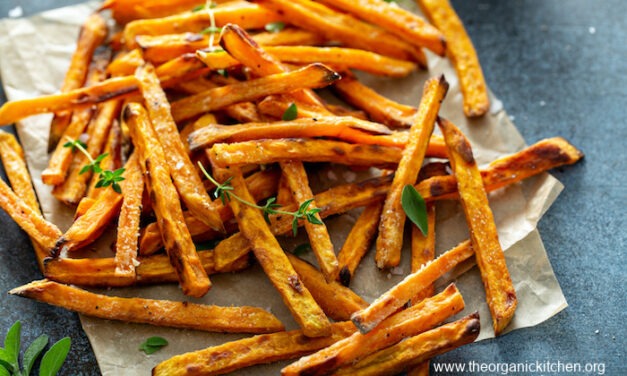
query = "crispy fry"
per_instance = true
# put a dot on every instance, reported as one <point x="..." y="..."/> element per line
<point x="392" y="224"/>
<point x="100" y="272"/>
<point x="410" y="322"/>
<point x="184" y="174"/>
<point x="128" y="10"/>
<point x="290" y="36"/>
<point x="390" y="301"/>
<point x="247" y="352"/>
<point x="417" y="349"/>
<point x="462" y="53"/>
<point x="306" y="150"/>
<point x="345" y="28"/>
<point x="247" y="15"/>
<point x="274" y="262"/>
<point x="75" y="185"/>
<point x="117" y="87"/>
<point x="378" y="107"/>
<point x="125" y="63"/>
<point x="12" y="156"/>
<point x="126" y="244"/>
<point x="29" y="219"/>
<point x="312" y="76"/>
<point x="337" y="301"/>
<point x="500" y="292"/>
<point x="423" y="249"/>
<point x="150" y="311"/>
<point x="284" y="195"/>
<point x="294" y="173"/>
<point x="398" y="21"/>
<point x="358" y="242"/>
<point x="178" y="241"/>
<point x="335" y="56"/>
<point x="92" y="34"/>
<point x="89" y="226"/>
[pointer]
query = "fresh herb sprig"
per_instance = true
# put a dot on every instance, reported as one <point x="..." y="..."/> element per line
<point x="415" y="208"/>
<point x="105" y="177"/>
<point x="224" y="191"/>
<point x="50" y="364"/>
<point x="153" y="344"/>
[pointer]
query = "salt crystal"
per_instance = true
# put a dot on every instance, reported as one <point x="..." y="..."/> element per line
<point x="596" y="331"/>
<point x="592" y="30"/>
<point x="16" y="12"/>
<point x="542" y="103"/>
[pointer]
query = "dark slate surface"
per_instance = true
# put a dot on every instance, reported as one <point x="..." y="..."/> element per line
<point x="559" y="68"/>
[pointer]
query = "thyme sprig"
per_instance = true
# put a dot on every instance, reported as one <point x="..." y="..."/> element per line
<point x="224" y="191"/>
<point x="105" y="177"/>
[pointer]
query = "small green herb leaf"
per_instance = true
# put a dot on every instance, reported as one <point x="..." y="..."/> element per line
<point x="3" y="369"/>
<point x="302" y="249"/>
<point x="153" y="344"/>
<point x="198" y="8"/>
<point x="222" y="72"/>
<point x="290" y="113"/>
<point x="415" y="208"/>
<point x="275" y="27"/>
<point x="53" y="359"/>
<point x="32" y="352"/>
<point x="12" y="345"/>
<point x="211" y="30"/>
<point x="75" y="145"/>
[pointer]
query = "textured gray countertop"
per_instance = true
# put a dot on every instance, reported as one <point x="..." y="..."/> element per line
<point x="560" y="68"/>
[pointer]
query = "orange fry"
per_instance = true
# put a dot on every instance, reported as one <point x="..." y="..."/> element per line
<point x="462" y="53"/>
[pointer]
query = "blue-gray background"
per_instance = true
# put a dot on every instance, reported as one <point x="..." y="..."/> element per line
<point x="559" y="66"/>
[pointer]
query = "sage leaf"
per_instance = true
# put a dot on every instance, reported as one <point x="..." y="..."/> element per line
<point x="415" y="208"/>
<point x="55" y="357"/>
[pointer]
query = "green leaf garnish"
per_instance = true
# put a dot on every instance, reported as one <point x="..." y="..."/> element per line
<point x="12" y="346"/>
<point x="222" y="72"/>
<point x="275" y="27"/>
<point x="153" y="344"/>
<point x="55" y="357"/>
<point x="211" y="30"/>
<point x="198" y="8"/>
<point x="290" y="113"/>
<point x="415" y="208"/>
<point x="105" y="178"/>
<point x="32" y="353"/>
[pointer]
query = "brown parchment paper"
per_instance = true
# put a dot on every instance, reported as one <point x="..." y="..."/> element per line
<point x="34" y="54"/>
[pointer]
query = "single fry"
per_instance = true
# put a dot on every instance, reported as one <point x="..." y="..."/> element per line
<point x="500" y="292"/>
<point x="290" y="36"/>
<point x="358" y="242"/>
<point x="462" y="53"/>
<point x="337" y="301"/>
<point x="128" y="10"/>
<point x="390" y="301"/>
<point x="126" y="244"/>
<point x="247" y="352"/>
<point x="392" y="224"/>
<point x="100" y="272"/>
<point x="92" y="33"/>
<point x="423" y="249"/>
<point x="344" y="28"/>
<point x="184" y="174"/>
<point x="12" y="156"/>
<point x="294" y="173"/>
<point x="150" y="311"/>
<point x="311" y="76"/>
<point x="410" y="322"/>
<point x="417" y="349"/>
<point x="275" y="263"/>
<point x="398" y="21"/>
<point x="178" y="241"/>
<point x="89" y="226"/>
<point x="378" y="107"/>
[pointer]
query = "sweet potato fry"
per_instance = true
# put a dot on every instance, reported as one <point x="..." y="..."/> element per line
<point x="345" y="28"/>
<point x="184" y="174"/>
<point x="126" y="244"/>
<point x="12" y="156"/>
<point x="75" y="185"/>
<point x="390" y="301"/>
<point x="338" y="302"/>
<point x="398" y="21"/>
<point x="312" y="76"/>
<point x="178" y="241"/>
<point x="284" y="195"/>
<point x="500" y="292"/>
<point x="290" y="36"/>
<point x="247" y="352"/>
<point x="410" y="322"/>
<point x="125" y="63"/>
<point x="417" y="349"/>
<point x="296" y="177"/>
<point x="124" y="11"/>
<point x="423" y="249"/>
<point x="30" y="220"/>
<point x="392" y="224"/>
<point x="247" y="15"/>
<point x="150" y="311"/>
<point x="100" y="272"/>
<point x="462" y="53"/>
<point x="358" y="242"/>
<point x="117" y="87"/>
<point x="378" y="107"/>
<point x="92" y="34"/>
<point x="275" y="263"/>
